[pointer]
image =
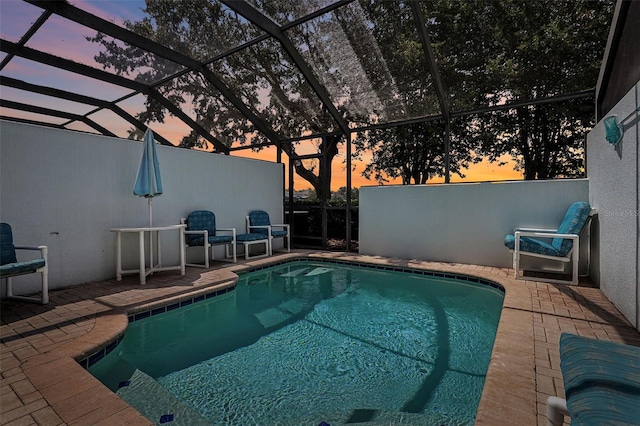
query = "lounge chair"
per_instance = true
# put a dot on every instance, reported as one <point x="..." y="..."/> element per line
<point x="601" y="383"/>
<point x="564" y="244"/>
<point x="10" y="267"/>
<point x="258" y="222"/>
<point x="202" y="232"/>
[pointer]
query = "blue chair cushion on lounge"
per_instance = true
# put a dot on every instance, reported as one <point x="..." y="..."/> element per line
<point x="573" y="222"/>
<point x="531" y="245"/>
<point x="254" y="236"/>
<point x="277" y="234"/>
<point x="601" y="380"/>
<point x="18" y="268"/>
<point x="200" y="220"/>
<point x="259" y="218"/>
<point x="7" y="249"/>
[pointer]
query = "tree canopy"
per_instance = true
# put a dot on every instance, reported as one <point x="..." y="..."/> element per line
<point x="369" y="58"/>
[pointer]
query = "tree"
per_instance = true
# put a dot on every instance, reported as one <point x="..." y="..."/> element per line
<point x="489" y="53"/>
<point x="415" y="153"/>
<point x="262" y="75"/>
<point x="510" y="50"/>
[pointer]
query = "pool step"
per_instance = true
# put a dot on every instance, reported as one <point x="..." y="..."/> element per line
<point x="156" y="403"/>
<point x="279" y="314"/>
<point x="315" y="271"/>
<point x="318" y="271"/>
<point x="295" y="273"/>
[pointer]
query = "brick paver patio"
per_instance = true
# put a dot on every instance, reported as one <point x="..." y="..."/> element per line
<point x="42" y="384"/>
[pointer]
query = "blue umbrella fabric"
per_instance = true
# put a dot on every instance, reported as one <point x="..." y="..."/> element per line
<point x="148" y="182"/>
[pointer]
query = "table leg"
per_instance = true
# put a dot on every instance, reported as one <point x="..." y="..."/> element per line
<point x="143" y="274"/>
<point x="118" y="256"/>
<point x="159" y="249"/>
<point x="182" y="251"/>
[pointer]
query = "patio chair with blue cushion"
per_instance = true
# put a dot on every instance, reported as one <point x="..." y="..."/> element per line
<point x="258" y="222"/>
<point x="561" y="244"/>
<point x="202" y="232"/>
<point x="10" y="267"/>
<point x="601" y="383"/>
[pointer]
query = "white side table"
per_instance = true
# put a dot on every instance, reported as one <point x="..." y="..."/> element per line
<point x="143" y="270"/>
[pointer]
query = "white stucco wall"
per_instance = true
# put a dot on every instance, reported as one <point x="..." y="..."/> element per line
<point x="463" y="223"/>
<point x="614" y="191"/>
<point x="67" y="189"/>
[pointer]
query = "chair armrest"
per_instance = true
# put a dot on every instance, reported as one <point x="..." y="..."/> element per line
<point x="520" y="228"/>
<point x="519" y="234"/>
<point x="30" y="247"/>
<point x="232" y="230"/>
<point x="43" y="250"/>
<point x="268" y="227"/>
<point x="280" y="225"/>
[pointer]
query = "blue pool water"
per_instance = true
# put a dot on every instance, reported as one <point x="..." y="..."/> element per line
<point x="306" y="342"/>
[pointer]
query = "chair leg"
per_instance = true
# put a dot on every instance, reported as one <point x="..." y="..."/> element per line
<point x="575" y="259"/>
<point x="44" y="299"/>
<point x="9" y="287"/>
<point x="45" y="285"/>
<point x="556" y="410"/>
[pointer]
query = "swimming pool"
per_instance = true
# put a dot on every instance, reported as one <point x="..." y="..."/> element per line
<point x="306" y="342"/>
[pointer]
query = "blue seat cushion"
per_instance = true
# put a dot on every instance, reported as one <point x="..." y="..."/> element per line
<point x="220" y="239"/>
<point x="601" y="380"/>
<point x="198" y="240"/>
<point x="574" y="220"/>
<point x="531" y="245"/>
<point x="7" y="249"/>
<point x="259" y="218"/>
<point x="19" y="268"/>
<point x="250" y="237"/>
<point x="278" y="234"/>
<point x="200" y="220"/>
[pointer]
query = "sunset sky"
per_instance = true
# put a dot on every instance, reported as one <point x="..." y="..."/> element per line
<point x="66" y="39"/>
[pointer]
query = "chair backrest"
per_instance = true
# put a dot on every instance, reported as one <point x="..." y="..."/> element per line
<point x="259" y="218"/>
<point x="7" y="249"/>
<point x="200" y="220"/>
<point x="574" y="220"/>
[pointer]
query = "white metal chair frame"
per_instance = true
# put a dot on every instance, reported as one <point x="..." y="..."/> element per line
<point x="44" y="276"/>
<point x="284" y="226"/>
<point x="208" y="247"/>
<point x="247" y="247"/>
<point x="572" y="256"/>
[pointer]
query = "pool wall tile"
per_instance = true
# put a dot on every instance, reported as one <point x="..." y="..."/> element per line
<point x="425" y="272"/>
<point x="97" y="356"/>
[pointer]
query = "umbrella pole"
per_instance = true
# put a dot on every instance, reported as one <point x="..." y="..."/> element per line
<point x="150" y="202"/>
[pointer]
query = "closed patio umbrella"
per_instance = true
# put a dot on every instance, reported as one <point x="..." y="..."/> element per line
<point x="148" y="182"/>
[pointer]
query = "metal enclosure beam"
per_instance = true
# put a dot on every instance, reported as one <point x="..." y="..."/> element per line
<point x="66" y="10"/>
<point x="25" y="38"/>
<point x="55" y="113"/>
<point x="56" y="61"/>
<point x="270" y="27"/>
<point x="75" y="97"/>
<point x="425" y="40"/>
